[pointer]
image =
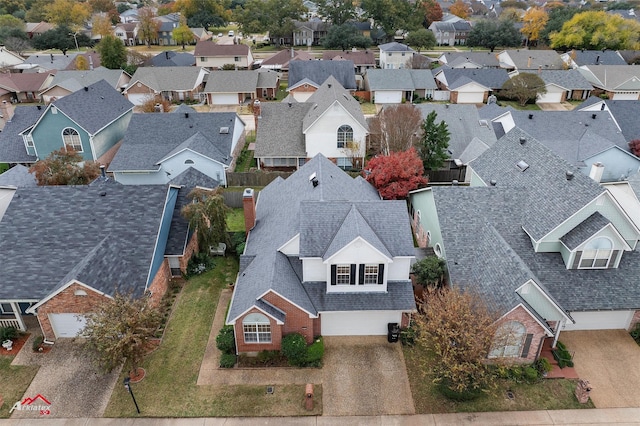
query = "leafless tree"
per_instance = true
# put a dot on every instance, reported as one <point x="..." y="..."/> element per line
<point x="395" y="129"/>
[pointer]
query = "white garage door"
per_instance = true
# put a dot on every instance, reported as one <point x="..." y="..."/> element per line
<point x="625" y="96"/>
<point x="388" y="97"/>
<point x="470" y="97"/>
<point x="67" y="325"/>
<point x="358" y="323"/>
<point x="138" y="98"/>
<point x="224" y="99"/>
<point x="600" y="320"/>
<point x="550" y="98"/>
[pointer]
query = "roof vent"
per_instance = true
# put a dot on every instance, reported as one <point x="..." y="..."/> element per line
<point x="329" y="85"/>
<point x="493" y="182"/>
<point x="39" y="107"/>
<point x="224" y="130"/>
<point x="186" y="115"/>
<point x="522" y="140"/>
<point x="530" y="116"/>
<point x="86" y="89"/>
<point x="289" y="103"/>
<point x="314" y="182"/>
<point x="593" y="116"/>
<point x="522" y="165"/>
<point x="103" y="193"/>
<point x="569" y="175"/>
<point x="454" y="182"/>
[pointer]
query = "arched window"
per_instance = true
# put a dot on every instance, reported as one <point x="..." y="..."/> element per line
<point x="345" y="135"/>
<point x="257" y="328"/>
<point x="71" y="139"/>
<point x="188" y="161"/>
<point x="597" y="254"/>
<point x="509" y="340"/>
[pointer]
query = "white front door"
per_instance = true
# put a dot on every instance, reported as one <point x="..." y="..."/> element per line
<point x="67" y="325"/>
<point x="358" y="323"/>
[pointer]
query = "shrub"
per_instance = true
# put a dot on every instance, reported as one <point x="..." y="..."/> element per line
<point x="266" y="357"/>
<point x="227" y="360"/>
<point x="37" y="341"/>
<point x="225" y="340"/>
<point x="516" y="373"/>
<point x="543" y="366"/>
<point x="294" y="348"/>
<point x="562" y="355"/>
<point x="315" y="352"/>
<point x="238" y="241"/>
<point x="468" y="395"/>
<point x="408" y="335"/>
<point x="7" y="333"/>
<point x="530" y="374"/>
<point x="199" y="263"/>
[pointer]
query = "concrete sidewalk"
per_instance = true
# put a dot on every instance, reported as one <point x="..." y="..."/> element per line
<point x="620" y="416"/>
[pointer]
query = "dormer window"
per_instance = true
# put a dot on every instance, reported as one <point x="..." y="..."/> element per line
<point x="598" y="254"/>
<point x="370" y="274"/>
<point x="343" y="275"/>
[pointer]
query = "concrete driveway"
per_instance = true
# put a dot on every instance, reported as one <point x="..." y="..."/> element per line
<point x="68" y="380"/>
<point x="551" y="106"/>
<point x="364" y="376"/>
<point x="610" y="361"/>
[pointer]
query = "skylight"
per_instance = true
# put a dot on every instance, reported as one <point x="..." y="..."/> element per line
<point x="224" y="130"/>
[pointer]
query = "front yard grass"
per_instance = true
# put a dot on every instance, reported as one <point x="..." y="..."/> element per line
<point x="516" y="105"/>
<point x="169" y="388"/>
<point x="15" y="381"/>
<point x="547" y="394"/>
<point x="235" y="220"/>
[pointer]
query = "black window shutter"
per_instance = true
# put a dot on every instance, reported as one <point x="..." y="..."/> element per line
<point x="381" y="273"/>
<point x="614" y="257"/>
<point x="576" y="260"/>
<point x="527" y="345"/>
<point x="334" y="274"/>
<point x="352" y="278"/>
<point x="361" y="274"/>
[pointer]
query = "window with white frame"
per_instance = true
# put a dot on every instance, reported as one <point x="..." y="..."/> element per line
<point x="343" y="274"/>
<point x="344" y="163"/>
<point x="6" y="308"/>
<point x="256" y="328"/>
<point x="597" y="254"/>
<point x="71" y="139"/>
<point x="371" y="274"/>
<point x="29" y="141"/>
<point x="345" y="135"/>
<point x="509" y="340"/>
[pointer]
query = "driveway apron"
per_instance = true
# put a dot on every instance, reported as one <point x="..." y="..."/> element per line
<point x="364" y="376"/>
<point x="610" y="361"/>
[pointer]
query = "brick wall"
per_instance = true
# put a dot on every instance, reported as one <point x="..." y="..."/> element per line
<point x="160" y="283"/>
<point x="139" y="89"/>
<point x="67" y="302"/>
<point x="634" y="320"/>
<point x="106" y="158"/>
<point x="302" y="88"/>
<point x="453" y="97"/>
<point x="532" y="327"/>
<point x="192" y="247"/>
<point x="276" y="336"/>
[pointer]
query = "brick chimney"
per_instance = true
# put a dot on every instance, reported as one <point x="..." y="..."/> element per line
<point x="249" y="205"/>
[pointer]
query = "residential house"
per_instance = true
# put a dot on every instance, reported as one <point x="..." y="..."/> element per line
<point x="127" y="32"/>
<point x="530" y="60"/>
<point x="66" y="82"/>
<point x="470" y="85"/>
<point x="576" y="58"/>
<point x="280" y="61"/>
<point x="24" y="87"/>
<point x="330" y="123"/>
<point x="51" y="62"/>
<point x="91" y="121"/>
<point x="394" y="86"/>
<point x="37" y="28"/>
<point x="363" y="60"/>
<point x="582" y="138"/>
<point x="169" y="58"/>
<point x="15" y="122"/>
<point x="546" y="246"/>
<point x="9" y="58"/>
<point x="451" y="33"/>
<point x="564" y="85"/>
<point x="618" y="82"/>
<point x="308" y="33"/>
<point x="237" y="87"/>
<point x="201" y="34"/>
<point x="623" y="113"/>
<point x="324" y="256"/>
<point x="469" y="59"/>
<point x="129" y="16"/>
<point x="65" y="249"/>
<point x="215" y="56"/>
<point x="630" y="56"/>
<point x="305" y="77"/>
<point x="395" y="55"/>
<point x="170" y="83"/>
<point x="166" y="25"/>
<point x="158" y="148"/>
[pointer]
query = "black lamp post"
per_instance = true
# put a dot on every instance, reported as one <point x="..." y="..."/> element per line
<point x="127" y="386"/>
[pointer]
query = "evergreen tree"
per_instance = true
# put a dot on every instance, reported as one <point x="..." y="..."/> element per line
<point x="434" y="142"/>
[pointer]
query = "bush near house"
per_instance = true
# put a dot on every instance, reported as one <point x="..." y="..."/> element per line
<point x="226" y="343"/>
<point x="294" y="348"/>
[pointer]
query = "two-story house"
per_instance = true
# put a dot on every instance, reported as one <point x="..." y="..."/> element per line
<point x="215" y="56"/>
<point x="451" y="33"/>
<point x="395" y="55"/>
<point x="330" y="123"/>
<point x="324" y="256"/>
<point x="546" y="246"/>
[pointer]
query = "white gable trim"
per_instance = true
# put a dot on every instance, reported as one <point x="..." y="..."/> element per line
<point x="63" y="113"/>
<point x="261" y="310"/>
<point x="546" y="327"/>
<point x="598" y="233"/>
<point x="32" y="309"/>
<point x="304" y="131"/>
<point x="311" y="315"/>
<point x="292" y="239"/>
<point x="196" y="153"/>
<point x="358" y="238"/>
<point x="546" y="296"/>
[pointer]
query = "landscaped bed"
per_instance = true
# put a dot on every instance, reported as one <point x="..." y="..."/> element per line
<point x="545" y="394"/>
<point x="169" y="388"/>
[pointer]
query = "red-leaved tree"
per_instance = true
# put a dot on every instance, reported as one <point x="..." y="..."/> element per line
<point x="396" y="174"/>
<point x="634" y="146"/>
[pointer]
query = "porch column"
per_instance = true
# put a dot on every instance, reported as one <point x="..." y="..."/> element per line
<point x="559" y="326"/>
<point x="16" y="312"/>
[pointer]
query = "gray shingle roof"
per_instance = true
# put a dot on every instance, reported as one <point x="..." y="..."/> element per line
<point x="18" y="176"/>
<point x="95" y="107"/>
<point x="625" y="113"/>
<point x="319" y="71"/>
<point x="483" y="59"/>
<point x="191" y="178"/>
<point x="280" y="212"/>
<point x="12" y="149"/>
<point x="610" y="77"/>
<point x="359" y="57"/>
<point x="395" y="47"/>
<point x="104" y="240"/>
<point x="567" y="79"/>
<point x="279" y="131"/>
<point x="597" y="57"/>
<point x="398" y="297"/>
<point x="153" y="137"/>
<point x="545" y="180"/>
<point x="167" y="78"/>
<point x="267" y="79"/>
<point x="232" y="82"/>
<point x="170" y="58"/>
<point x="586" y="229"/>
<point x="76" y="80"/>
<point x="492" y="78"/>
<point x="533" y="59"/>
<point x="400" y="79"/>
<point x="327" y="94"/>
<point x="179" y="231"/>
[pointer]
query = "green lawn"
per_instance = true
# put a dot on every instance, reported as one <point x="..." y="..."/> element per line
<point x="169" y="388"/>
<point x="15" y="381"/>
<point x="547" y="394"/>
<point x="235" y="220"/>
<point x="245" y="159"/>
<point x="3" y="167"/>
<point x="368" y="108"/>
<point x="516" y="105"/>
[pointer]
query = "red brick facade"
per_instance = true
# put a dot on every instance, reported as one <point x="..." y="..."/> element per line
<point x="532" y="327"/>
<point x="304" y="88"/>
<point x="192" y="247"/>
<point x="160" y="283"/>
<point x="634" y="320"/>
<point x="67" y="301"/>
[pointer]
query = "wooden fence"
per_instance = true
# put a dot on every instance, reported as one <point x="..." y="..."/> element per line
<point x="250" y="179"/>
<point x="449" y="176"/>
